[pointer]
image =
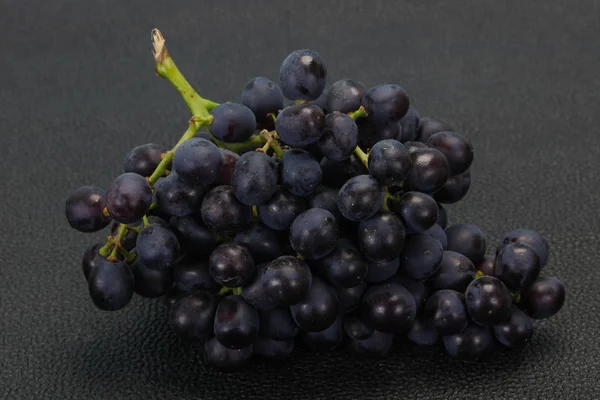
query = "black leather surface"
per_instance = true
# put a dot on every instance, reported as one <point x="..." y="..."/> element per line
<point x="78" y="90"/>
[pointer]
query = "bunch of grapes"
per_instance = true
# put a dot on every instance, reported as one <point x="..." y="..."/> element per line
<point x="312" y="214"/>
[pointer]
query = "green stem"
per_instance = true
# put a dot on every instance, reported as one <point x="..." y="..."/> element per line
<point x="362" y="156"/>
<point x="129" y="257"/>
<point x="360" y="113"/>
<point x="224" y="291"/>
<point x="237" y="291"/>
<point x="145" y="220"/>
<point x="255" y="141"/>
<point x="117" y="242"/>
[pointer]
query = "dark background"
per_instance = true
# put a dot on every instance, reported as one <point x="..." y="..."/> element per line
<point x="78" y="90"/>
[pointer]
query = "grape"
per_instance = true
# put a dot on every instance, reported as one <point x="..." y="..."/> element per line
<point x="222" y="212"/>
<point x="191" y="274"/>
<point x="345" y="96"/>
<point x="445" y="311"/>
<point x="231" y="265"/>
<point x="412" y="146"/>
<point x="474" y="343"/>
<point x="418" y="211"/>
<point x="369" y="133"/>
<point x="326" y="198"/>
<point x="517" y="265"/>
<point x="150" y="282"/>
<point x="381" y="237"/>
<point x="457" y="149"/>
<point x="128" y="241"/>
<point x="321" y="102"/>
<point x="198" y="161"/>
<point x="229" y="161"/>
<point x="429" y="126"/>
<point x="421" y="256"/>
<point x="278" y="324"/>
<point x="128" y="198"/>
<point x="517" y="331"/>
<point x="488" y="301"/>
<point x="380" y="271"/>
<point x="389" y="162"/>
<point x="176" y="197"/>
<point x="254" y="178"/>
<point x="300" y="124"/>
<point x="356" y="328"/>
<point x="111" y="285"/>
<point x="410" y="125"/>
<point x="254" y="293"/>
<point x="300" y="172"/>
<point x="85" y="209"/>
<point x="303" y="75"/>
<point x="437" y="232"/>
<point x="236" y="322"/>
<point x="344" y="266"/>
<point x="193" y="235"/>
<point x="442" y="219"/>
<point x="543" y="299"/>
<point x="157" y="247"/>
<point x="203" y="134"/>
<point x="429" y="171"/>
<point x="419" y="290"/>
<point x="327" y="339"/>
<point x="389" y="308"/>
<point x="318" y="310"/>
<point x="173" y="296"/>
<point x="263" y="97"/>
<point x="336" y="173"/>
<point x="224" y="359"/>
<point x="349" y="298"/>
<point x="273" y="350"/>
<point x="487" y="266"/>
<point x="263" y="243"/>
<point x="455" y="189"/>
<point x="91" y="259"/>
<point x="286" y="281"/>
<point x="386" y="102"/>
<point x="232" y="122"/>
<point x="192" y="316"/>
<point x="360" y="198"/>
<point x="456" y="272"/>
<point x="375" y="346"/>
<point x="422" y="333"/>
<point x="313" y="233"/>
<point x="144" y="159"/>
<point x="530" y="237"/>
<point x="339" y="138"/>
<point x="467" y="240"/>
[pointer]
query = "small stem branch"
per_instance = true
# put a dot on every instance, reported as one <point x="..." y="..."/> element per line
<point x="360" y="113"/>
<point x="237" y="291"/>
<point x="254" y="142"/>
<point x="145" y="221"/>
<point x="117" y="242"/>
<point x="362" y="156"/>
<point x="129" y="257"/>
<point x="224" y="291"/>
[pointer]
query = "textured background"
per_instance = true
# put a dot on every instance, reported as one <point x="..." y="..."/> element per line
<point x="77" y="91"/>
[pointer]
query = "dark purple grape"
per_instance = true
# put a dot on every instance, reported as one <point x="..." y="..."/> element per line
<point x="488" y="301"/>
<point x="360" y="198"/>
<point x="446" y="312"/>
<point x="369" y="133"/>
<point x="381" y="237"/>
<point x="457" y="149"/>
<point x="232" y="122"/>
<point x="474" y="343"/>
<point x="151" y="282"/>
<point x="456" y="272"/>
<point x="326" y="198"/>
<point x="303" y="75"/>
<point x="410" y="125"/>
<point x="144" y="159"/>
<point x="223" y="212"/>
<point x="85" y="209"/>
<point x="236" y="322"/>
<point x="193" y="235"/>
<point x="386" y="102"/>
<point x="264" y="243"/>
<point x="286" y="281"/>
<point x="418" y="211"/>
<point x="420" y="290"/>
<point x="516" y="332"/>
<point x="467" y="240"/>
<point x="437" y="232"/>
<point x="327" y="339"/>
<point x="421" y="256"/>
<point x="375" y="346"/>
<point x="345" y="96"/>
<point x="224" y="359"/>
<point x="423" y="333"/>
<point x="389" y="162"/>
<point x="254" y="178"/>
<point x="254" y="293"/>
<point x="336" y="173"/>
<point x="176" y="197"/>
<point x="157" y="247"/>
<point x="442" y="219"/>
<point x="411" y="146"/>
<point x="278" y="324"/>
<point x="281" y="210"/>
<point x="314" y="233"/>
<point x="356" y="328"/>
<point x="380" y="271"/>
<point x="530" y="237"/>
<point x="111" y="285"/>
<point x="349" y="298"/>
<point x="429" y="126"/>
<point x="543" y="299"/>
<point x="339" y="138"/>
<point x="455" y="189"/>
<point x="300" y="173"/>
<point x="318" y="310"/>
<point x="229" y="161"/>
<point x="192" y="274"/>
<point x="429" y="171"/>
<point x="192" y="316"/>
<point x="389" y="308"/>
<point x="128" y="198"/>
<point x="272" y="350"/>
<point x="263" y="97"/>
<point x="321" y="102"/>
<point x="344" y="266"/>
<point x="517" y="265"/>
<point x="91" y="259"/>
<point x="487" y="266"/>
<point x="198" y="162"/>
<point x="231" y="265"/>
<point x="300" y="124"/>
